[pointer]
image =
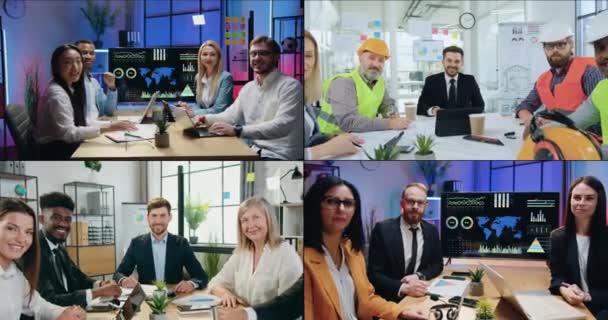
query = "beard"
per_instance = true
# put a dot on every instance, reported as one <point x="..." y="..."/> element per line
<point x="371" y="74"/>
<point x="557" y="61"/>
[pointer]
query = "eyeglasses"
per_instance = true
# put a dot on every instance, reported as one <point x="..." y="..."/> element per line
<point x="334" y="203"/>
<point x="261" y="53"/>
<point x="411" y="202"/>
<point x="57" y="218"/>
<point x="559" y="45"/>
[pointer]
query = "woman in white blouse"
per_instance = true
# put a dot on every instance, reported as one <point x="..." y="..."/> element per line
<point x="213" y="85"/>
<point x="262" y="266"/>
<point x="19" y="242"/>
<point x="61" y="123"/>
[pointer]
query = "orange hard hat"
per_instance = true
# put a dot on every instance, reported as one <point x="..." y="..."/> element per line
<point x="374" y="45"/>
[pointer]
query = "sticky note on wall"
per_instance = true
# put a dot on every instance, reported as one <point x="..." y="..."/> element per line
<point x="226" y="195"/>
<point x="250" y="177"/>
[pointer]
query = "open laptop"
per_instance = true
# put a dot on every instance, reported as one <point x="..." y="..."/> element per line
<point x="142" y="118"/>
<point x="454" y="122"/>
<point x="535" y="305"/>
<point x="197" y="131"/>
<point x="131" y="306"/>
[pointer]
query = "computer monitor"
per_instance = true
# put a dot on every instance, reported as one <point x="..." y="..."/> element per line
<point x="140" y="72"/>
<point x="498" y="224"/>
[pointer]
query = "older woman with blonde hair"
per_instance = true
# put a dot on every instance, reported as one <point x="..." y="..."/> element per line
<point x="319" y="145"/>
<point x="262" y="266"/>
<point x="213" y="85"/>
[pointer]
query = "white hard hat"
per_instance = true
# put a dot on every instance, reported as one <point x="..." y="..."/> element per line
<point x="599" y="27"/>
<point x="552" y="32"/>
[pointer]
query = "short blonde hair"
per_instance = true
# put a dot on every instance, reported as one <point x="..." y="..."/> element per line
<point x="312" y="86"/>
<point x="272" y="237"/>
<point x="414" y="184"/>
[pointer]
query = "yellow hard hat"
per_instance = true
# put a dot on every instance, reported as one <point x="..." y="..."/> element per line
<point x="377" y="46"/>
<point x="559" y="143"/>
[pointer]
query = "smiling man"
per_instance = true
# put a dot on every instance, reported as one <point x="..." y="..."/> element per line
<point x="269" y="111"/>
<point x="160" y="255"/>
<point x="61" y="282"/>
<point x="450" y="89"/>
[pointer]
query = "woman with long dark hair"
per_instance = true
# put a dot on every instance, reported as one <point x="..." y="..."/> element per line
<point x="20" y="265"/>
<point x="61" y="120"/>
<point x="335" y="279"/>
<point x="578" y="258"/>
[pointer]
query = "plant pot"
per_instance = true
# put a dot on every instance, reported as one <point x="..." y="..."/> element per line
<point x="430" y="156"/>
<point x="476" y="289"/>
<point x="161" y="140"/>
<point x="159" y="316"/>
<point x="193" y="239"/>
<point x="478" y="317"/>
<point x="159" y="294"/>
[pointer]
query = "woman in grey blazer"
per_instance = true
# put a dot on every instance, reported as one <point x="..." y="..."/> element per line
<point x="213" y="85"/>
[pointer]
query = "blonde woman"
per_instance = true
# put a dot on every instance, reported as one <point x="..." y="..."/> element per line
<point x="262" y="266"/>
<point x="213" y="85"/>
<point x="319" y="145"/>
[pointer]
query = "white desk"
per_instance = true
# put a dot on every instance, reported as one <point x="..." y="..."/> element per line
<point x="454" y="147"/>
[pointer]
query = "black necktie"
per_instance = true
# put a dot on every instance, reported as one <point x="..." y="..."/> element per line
<point x="59" y="266"/>
<point x="412" y="265"/>
<point x="452" y="95"/>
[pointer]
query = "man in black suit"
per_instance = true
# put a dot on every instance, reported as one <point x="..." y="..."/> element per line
<point x="450" y="89"/>
<point x="287" y="306"/>
<point x="61" y="282"/>
<point x="159" y="255"/>
<point x="405" y="252"/>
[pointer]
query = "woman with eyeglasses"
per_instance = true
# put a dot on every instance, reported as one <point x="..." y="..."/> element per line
<point x="20" y="266"/>
<point x="578" y="259"/>
<point x="335" y="280"/>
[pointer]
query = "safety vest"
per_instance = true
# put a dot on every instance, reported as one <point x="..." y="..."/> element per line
<point x="599" y="97"/>
<point x="368" y="101"/>
<point x="569" y="94"/>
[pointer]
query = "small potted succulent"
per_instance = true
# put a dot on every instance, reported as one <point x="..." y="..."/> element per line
<point x="382" y="153"/>
<point x="476" y="285"/>
<point x="158" y="304"/>
<point x="425" y="145"/>
<point x="161" y="138"/>
<point x="484" y="310"/>
<point x="161" y="289"/>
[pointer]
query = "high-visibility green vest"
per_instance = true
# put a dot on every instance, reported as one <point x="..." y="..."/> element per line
<point x="599" y="97"/>
<point x="368" y="101"/>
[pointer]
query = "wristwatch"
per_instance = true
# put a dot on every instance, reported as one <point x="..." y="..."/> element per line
<point x="238" y="129"/>
<point x="421" y="276"/>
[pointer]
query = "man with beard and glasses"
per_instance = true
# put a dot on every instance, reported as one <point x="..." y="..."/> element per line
<point x="450" y="89"/>
<point x="405" y="252"/>
<point x="269" y="111"/>
<point x="568" y="83"/>
<point x="353" y="101"/>
<point x="160" y="255"/>
<point x="61" y="282"/>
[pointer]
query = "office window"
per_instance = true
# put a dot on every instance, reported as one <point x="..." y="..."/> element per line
<point x="586" y="10"/>
<point x="216" y="182"/>
<point x="525" y="176"/>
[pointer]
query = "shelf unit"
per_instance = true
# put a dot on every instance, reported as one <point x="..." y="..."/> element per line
<point x="92" y="241"/>
<point x="291" y="222"/>
<point x="10" y="181"/>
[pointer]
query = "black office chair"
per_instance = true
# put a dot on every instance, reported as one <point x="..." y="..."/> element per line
<point x="22" y="130"/>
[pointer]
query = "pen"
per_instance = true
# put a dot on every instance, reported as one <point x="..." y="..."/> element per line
<point x="357" y="145"/>
<point x="128" y="134"/>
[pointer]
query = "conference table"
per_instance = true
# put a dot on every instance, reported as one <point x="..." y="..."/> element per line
<point x="521" y="276"/>
<point x="453" y="147"/>
<point x="181" y="147"/>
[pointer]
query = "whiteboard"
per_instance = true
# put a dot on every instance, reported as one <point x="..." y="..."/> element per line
<point x="134" y="223"/>
<point x="428" y="50"/>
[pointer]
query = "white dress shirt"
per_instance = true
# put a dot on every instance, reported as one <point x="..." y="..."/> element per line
<point x="344" y="284"/>
<point x="277" y="270"/>
<point x="91" y="86"/>
<point x="407" y="238"/>
<point x="583" y="243"/>
<point x="207" y="99"/>
<point x="14" y="294"/>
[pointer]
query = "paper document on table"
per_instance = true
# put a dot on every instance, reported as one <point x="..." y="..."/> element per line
<point x="540" y="305"/>
<point x="198" y="300"/>
<point x="143" y="132"/>
<point x="448" y="287"/>
<point x="134" y="119"/>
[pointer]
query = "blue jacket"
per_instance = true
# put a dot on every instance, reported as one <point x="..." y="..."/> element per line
<point x="223" y="99"/>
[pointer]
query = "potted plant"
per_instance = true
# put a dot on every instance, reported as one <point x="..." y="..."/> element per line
<point x="161" y="289"/>
<point x="158" y="304"/>
<point x="99" y="17"/>
<point x="484" y="310"/>
<point x="195" y="214"/>
<point x="433" y="171"/>
<point x="425" y="145"/>
<point x="476" y="285"/>
<point x="94" y="166"/>
<point x="32" y="90"/>
<point x="161" y="138"/>
<point x="211" y="260"/>
<point x="382" y="153"/>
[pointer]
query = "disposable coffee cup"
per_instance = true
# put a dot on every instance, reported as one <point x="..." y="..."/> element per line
<point x="477" y="121"/>
<point x="410" y="111"/>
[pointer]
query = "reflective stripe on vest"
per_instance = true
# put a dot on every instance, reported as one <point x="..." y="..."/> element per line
<point x="568" y="94"/>
<point x="599" y="97"/>
<point x="368" y="101"/>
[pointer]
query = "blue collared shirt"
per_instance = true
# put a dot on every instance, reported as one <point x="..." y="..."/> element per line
<point x="159" y="252"/>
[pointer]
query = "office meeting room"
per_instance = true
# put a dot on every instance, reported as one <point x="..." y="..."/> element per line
<point x="151" y="79"/>
<point x="465" y="240"/>
<point x="153" y="240"/>
<point x="456" y="79"/>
